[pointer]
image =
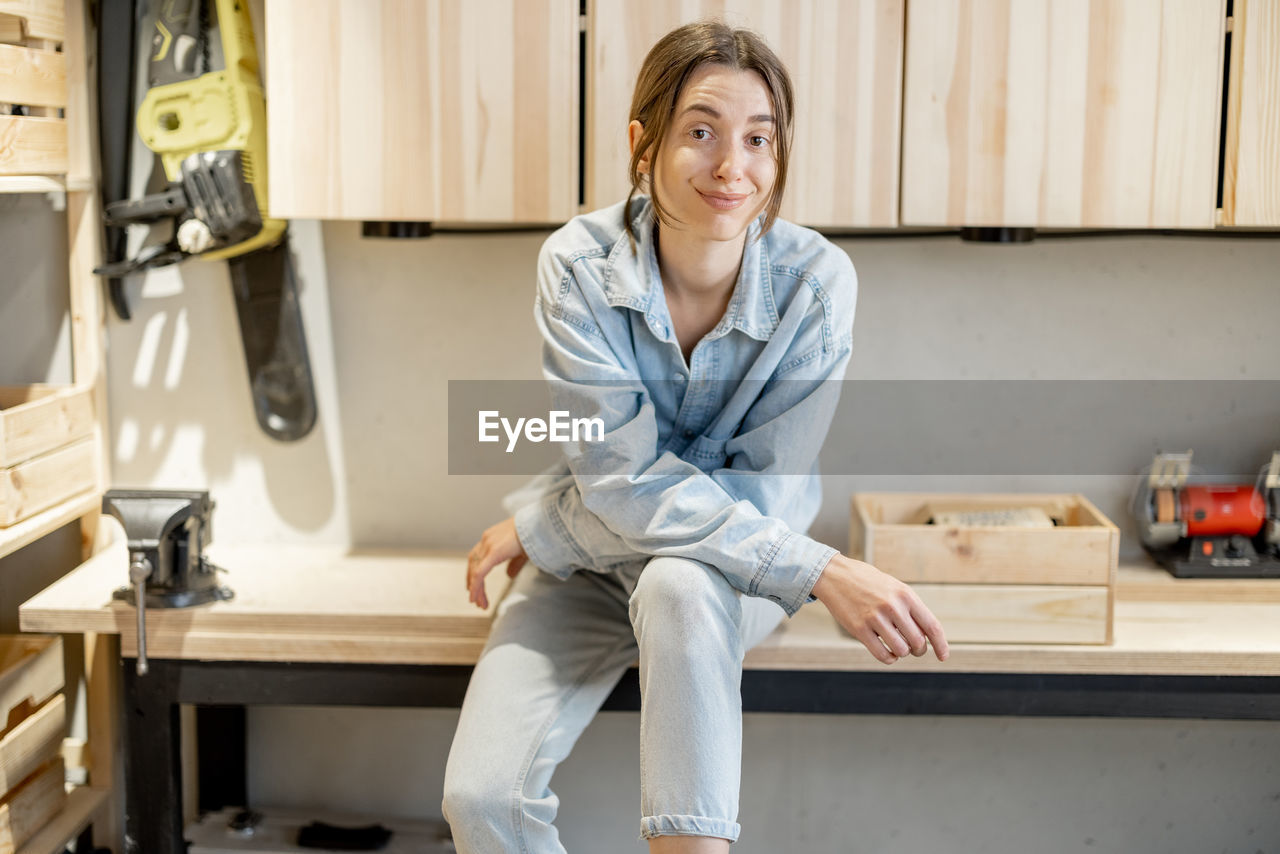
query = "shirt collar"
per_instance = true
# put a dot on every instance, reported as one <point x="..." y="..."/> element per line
<point x="638" y="284"/>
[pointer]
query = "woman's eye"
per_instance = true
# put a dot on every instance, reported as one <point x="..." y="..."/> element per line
<point x="698" y="133"/>
<point x="759" y="141"/>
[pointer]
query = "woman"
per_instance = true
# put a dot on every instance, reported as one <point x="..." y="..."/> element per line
<point x="709" y="337"/>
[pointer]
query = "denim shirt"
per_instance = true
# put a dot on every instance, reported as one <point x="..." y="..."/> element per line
<point x="714" y="460"/>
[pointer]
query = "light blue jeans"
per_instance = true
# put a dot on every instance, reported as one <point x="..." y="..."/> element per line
<point x="556" y="650"/>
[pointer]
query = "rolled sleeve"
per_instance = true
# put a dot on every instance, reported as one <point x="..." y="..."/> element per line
<point x="791" y="569"/>
<point x="545" y="538"/>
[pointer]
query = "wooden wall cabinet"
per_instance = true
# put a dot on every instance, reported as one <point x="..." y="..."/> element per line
<point x="1062" y="113"/>
<point x="844" y="167"/>
<point x="423" y="109"/>
<point x="1251" y="174"/>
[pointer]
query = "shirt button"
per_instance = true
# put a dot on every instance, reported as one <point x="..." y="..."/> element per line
<point x="678" y="377"/>
<point x="689" y="434"/>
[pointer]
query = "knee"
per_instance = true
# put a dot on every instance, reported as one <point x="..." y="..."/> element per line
<point x="684" y="597"/>
<point x="474" y="806"/>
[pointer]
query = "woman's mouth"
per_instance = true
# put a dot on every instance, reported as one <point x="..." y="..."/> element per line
<point x="723" y="201"/>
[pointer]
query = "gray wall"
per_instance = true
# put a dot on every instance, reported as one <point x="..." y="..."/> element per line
<point x="391" y="323"/>
<point x="35" y="347"/>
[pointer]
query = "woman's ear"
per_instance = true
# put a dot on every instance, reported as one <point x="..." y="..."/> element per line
<point x="634" y="131"/>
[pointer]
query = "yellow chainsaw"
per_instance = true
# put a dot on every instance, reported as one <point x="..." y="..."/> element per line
<point x="204" y="116"/>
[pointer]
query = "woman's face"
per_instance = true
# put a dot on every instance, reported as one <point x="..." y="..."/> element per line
<point x="716" y="167"/>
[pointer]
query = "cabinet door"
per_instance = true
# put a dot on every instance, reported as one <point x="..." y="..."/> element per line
<point x="1251" y="177"/>
<point x="423" y="109"/>
<point x="1062" y="113"/>
<point x="845" y="59"/>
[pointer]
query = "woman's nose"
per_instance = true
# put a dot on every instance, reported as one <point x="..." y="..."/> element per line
<point x="729" y="164"/>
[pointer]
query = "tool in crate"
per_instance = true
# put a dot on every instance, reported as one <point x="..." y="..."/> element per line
<point x="1209" y="530"/>
<point x="204" y="117"/>
<point x="166" y="531"/>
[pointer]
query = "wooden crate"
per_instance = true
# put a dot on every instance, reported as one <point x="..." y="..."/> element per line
<point x="994" y="584"/>
<point x="32" y="741"/>
<point x="30" y="674"/>
<point x="36" y="419"/>
<point x="33" y="77"/>
<point x="47" y="480"/>
<point x="32" y="773"/>
<point x="32" y="805"/>
<point x="47" y="450"/>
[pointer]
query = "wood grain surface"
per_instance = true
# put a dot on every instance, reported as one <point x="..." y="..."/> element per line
<point x="1251" y="174"/>
<point x="32" y="805"/>
<point x="84" y="804"/>
<point x="32" y="77"/>
<point x="1062" y="113"/>
<point x="423" y="109"/>
<point x="845" y="59"/>
<point x="33" y="741"/>
<point x="44" y="19"/>
<point x="47" y="480"/>
<point x="324" y="604"/>
<point x="32" y="144"/>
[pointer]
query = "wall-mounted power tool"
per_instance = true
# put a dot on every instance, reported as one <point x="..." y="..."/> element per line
<point x="1209" y="530"/>
<point x="204" y="117"/>
<point x="166" y="531"/>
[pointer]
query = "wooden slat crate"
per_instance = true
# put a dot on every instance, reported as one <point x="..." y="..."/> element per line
<point x="47" y="480"/>
<point x="32" y="772"/>
<point x="30" y="674"/>
<point x="33" y="88"/>
<point x="36" y="419"/>
<point x="43" y="19"/>
<point x="32" y="805"/>
<point x="995" y="584"/>
<point x="47" y="453"/>
<point x="31" y="742"/>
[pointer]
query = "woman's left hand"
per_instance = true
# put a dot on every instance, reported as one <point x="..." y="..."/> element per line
<point x="497" y="544"/>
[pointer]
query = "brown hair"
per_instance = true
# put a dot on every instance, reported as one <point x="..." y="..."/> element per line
<point x="662" y="77"/>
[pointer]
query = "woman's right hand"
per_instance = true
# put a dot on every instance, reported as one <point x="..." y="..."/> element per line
<point x="497" y="544"/>
<point x="885" y="614"/>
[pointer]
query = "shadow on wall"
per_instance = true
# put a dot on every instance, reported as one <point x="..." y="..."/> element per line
<point x="182" y="414"/>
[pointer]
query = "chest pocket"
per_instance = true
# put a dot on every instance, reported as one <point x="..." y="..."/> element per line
<point x="705" y="453"/>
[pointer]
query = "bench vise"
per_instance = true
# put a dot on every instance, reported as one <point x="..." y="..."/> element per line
<point x="166" y="530"/>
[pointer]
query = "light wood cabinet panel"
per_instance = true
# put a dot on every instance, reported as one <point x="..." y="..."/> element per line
<point x="423" y="109"/>
<point x="1251" y="177"/>
<point x="845" y="59"/>
<point x="1062" y="113"/>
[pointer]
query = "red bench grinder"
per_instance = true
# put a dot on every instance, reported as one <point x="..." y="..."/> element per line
<point x="1209" y="530"/>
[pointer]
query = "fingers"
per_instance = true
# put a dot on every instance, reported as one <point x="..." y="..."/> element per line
<point x="912" y="635"/>
<point x="917" y="625"/>
<point x="932" y="627"/>
<point x="499" y="543"/>
<point x="873" y="644"/>
<point x="479" y="562"/>
<point x="889" y="634"/>
<point x="908" y="629"/>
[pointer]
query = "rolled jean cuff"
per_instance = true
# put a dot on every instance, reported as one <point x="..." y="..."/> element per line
<point x="688" y="825"/>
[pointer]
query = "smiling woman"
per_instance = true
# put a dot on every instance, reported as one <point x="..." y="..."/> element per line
<point x="708" y="338"/>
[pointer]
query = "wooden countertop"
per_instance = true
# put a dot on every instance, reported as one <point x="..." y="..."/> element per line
<point x="325" y="603"/>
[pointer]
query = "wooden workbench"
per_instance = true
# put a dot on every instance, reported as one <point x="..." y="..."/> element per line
<point x="326" y="604"/>
<point x="327" y="626"/>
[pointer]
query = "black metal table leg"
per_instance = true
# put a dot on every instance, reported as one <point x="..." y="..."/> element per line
<point x="153" y="759"/>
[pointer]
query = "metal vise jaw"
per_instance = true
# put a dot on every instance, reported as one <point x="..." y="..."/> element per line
<point x="166" y="530"/>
